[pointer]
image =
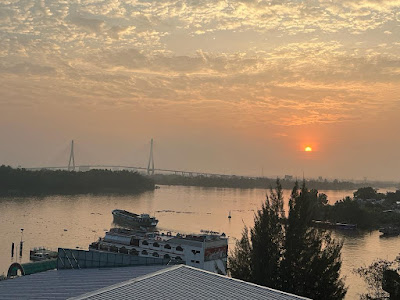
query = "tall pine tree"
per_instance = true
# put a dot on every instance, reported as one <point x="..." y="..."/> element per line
<point x="288" y="253"/>
<point x="267" y="239"/>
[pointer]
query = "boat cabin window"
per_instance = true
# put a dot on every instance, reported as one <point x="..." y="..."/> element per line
<point x="178" y="258"/>
<point x="166" y="256"/>
<point x="144" y="252"/>
<point x="123" y="250"/>
<point x="155" y="254"/>
<point x="145" y="243"/>
<point x="156" y="244"/>
<point x="134" y="252"/>
<point x="134" y="242"/>
<point x="179" y="248"/>
<point x="167" y="246"/>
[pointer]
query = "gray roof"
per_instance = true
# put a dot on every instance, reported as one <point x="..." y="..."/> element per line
<point x="63" y="284"/>
<point x="180" y="241"/>
<point x="184" y="282"/>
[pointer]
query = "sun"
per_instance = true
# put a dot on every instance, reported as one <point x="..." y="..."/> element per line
<point x="308" y="149"/>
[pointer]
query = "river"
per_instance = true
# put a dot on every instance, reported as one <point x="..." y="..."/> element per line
<point x="76" y="221"/>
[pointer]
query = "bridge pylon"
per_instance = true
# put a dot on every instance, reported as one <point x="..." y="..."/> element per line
<point x="71" y="163"/>
<point x="150" y="166"/>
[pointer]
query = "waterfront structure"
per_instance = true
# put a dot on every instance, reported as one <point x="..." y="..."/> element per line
<point x="208" y="250"/>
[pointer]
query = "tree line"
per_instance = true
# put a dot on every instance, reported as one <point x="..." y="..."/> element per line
<point x="22" y="182"/>
<point x="368" y="209"/>
<point x="253" y="182"/>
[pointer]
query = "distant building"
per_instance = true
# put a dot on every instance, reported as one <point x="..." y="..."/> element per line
<point x="288" y="177"/>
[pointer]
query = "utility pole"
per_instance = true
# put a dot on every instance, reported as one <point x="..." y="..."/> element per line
<point x="150" y="166"/>
<point x="71" y="158"/>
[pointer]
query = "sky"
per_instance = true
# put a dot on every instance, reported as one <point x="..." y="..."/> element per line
<point x="234" y="87"/>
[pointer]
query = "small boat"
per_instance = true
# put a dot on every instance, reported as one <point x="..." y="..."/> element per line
<point x="127" y="218"/>
<point x="340" y="226"/>
<point x="390" y="231"/>
<point x="345" y="226"/>
<point x="229" y="216"/>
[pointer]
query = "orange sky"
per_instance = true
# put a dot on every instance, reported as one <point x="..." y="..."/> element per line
<point x="222" y="86"/>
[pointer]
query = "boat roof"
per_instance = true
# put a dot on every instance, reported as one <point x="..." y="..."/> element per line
<point x="178" y="238"/>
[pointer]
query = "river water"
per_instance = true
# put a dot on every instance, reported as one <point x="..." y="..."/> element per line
<point x="76" y="221"/>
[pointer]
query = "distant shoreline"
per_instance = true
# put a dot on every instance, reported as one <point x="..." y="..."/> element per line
<point x="25" y="183"/>
<point x="243" y="182"/>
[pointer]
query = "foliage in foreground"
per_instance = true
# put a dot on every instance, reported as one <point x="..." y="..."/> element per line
<point x="373" y="277"/>
<point x="287" y="253"/>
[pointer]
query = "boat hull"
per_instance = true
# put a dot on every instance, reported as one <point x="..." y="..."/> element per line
<point x="131" y="220"/>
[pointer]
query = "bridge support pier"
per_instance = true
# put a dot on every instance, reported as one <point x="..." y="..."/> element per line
<point x="150" y="166"/>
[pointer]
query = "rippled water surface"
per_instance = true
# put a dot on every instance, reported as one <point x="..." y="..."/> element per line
<point x="76" y="221"/>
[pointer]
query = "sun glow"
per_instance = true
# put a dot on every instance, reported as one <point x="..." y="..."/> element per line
<point x="308" y="149"/>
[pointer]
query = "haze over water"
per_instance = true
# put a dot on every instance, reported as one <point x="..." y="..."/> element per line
<point x="76" y="221"/>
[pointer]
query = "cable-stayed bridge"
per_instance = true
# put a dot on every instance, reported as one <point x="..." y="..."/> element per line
<point x="150" y="170"/>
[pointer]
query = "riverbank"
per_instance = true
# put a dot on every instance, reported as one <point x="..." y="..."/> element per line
<point x="368" y="209"/>
<point x="243" y="182"/>
<point x="21" y="182"/>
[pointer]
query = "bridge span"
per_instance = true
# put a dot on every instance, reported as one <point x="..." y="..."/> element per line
<point x="150" y="170"/>
<point x="84" y="168"/>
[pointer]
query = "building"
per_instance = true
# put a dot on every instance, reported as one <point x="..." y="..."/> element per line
<point x="207" y="251"/>
<point x="64" y="284"/>
<point x="139" y="282"/>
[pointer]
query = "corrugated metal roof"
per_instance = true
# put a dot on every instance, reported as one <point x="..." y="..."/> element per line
<point x="184" y="282"/>
<point x="63" y="284"/>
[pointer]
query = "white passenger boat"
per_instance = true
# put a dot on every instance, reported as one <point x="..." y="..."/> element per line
<point x="208" y="250"/>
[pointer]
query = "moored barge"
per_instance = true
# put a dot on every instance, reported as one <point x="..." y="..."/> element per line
<point x="129" y="219"/>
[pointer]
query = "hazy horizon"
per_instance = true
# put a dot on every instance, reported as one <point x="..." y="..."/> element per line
<point x="234" y="87"/>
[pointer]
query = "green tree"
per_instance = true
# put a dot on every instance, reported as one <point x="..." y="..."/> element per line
<point x="373" y="277"/>
<point x="287" y="253"/>
<point x="312" y="260"/>
<point x="368" y="193"/>
<point x="267" y="238"/>
<point x="240" y="261"/>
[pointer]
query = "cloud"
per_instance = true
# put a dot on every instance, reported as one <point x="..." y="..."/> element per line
<point x="279" y="62"/>
<point x="28" y="69"/>
<point x="89" y="24"/>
